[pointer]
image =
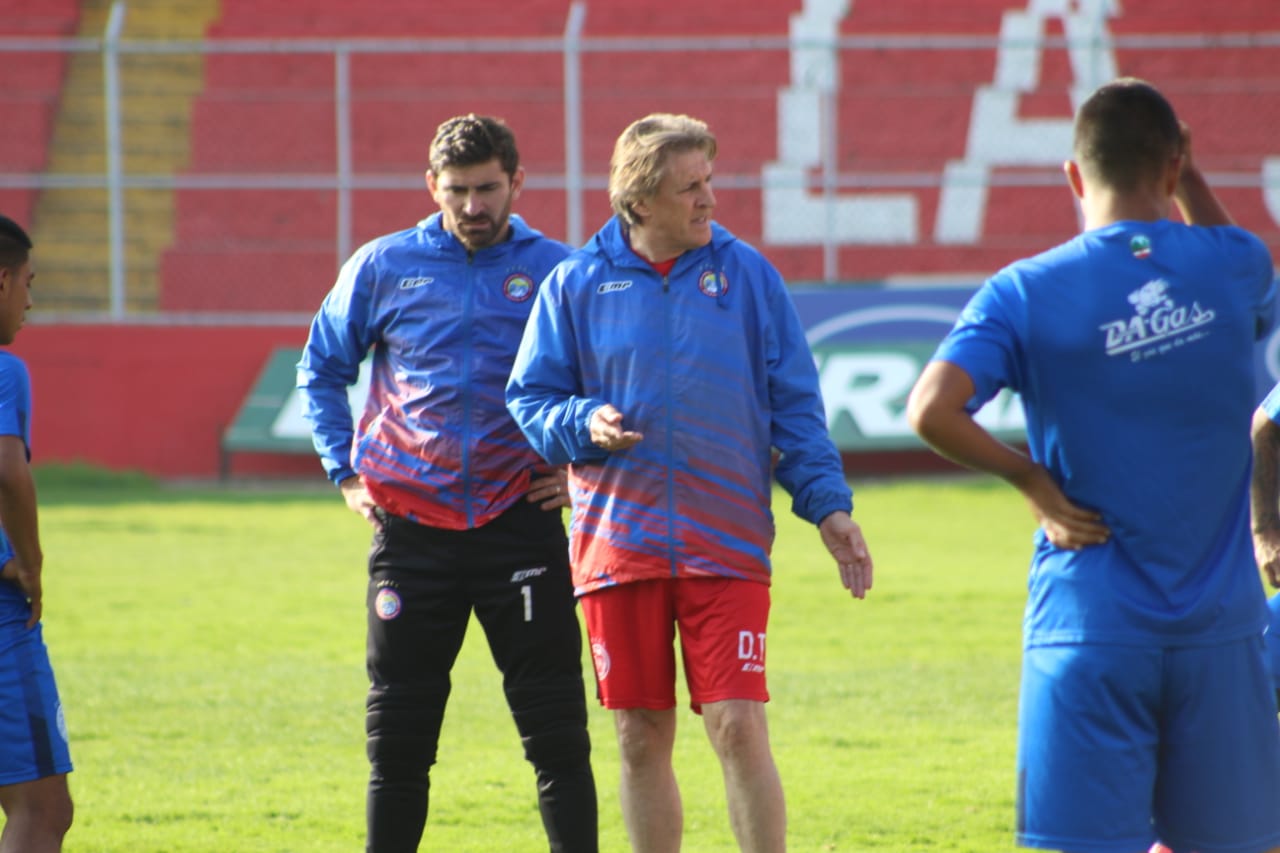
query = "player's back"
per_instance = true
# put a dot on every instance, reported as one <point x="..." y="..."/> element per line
<point x="1139" y="382"/>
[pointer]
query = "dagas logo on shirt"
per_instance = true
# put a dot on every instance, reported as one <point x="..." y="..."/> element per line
<point x="1158" y="323"/>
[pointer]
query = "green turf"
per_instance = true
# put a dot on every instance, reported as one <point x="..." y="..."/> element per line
<point x="209" y="648"/>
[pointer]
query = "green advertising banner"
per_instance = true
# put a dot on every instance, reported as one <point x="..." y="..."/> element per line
<point x="869" y="344"/>
<point x="270" y="419"/>
<point x="864" y="388"/>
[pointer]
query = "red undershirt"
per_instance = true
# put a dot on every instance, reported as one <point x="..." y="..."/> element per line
<point x="663" y="267"/>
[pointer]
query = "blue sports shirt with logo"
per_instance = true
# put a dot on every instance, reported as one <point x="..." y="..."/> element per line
<point x="1132" y="347"/>
<point x="15" y="420"/>
<point x="1271" y="406"/>
<point x="435" y="442"/>
<point x="1273" y="639"/>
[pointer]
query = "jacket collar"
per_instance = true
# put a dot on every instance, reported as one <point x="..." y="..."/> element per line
<point x="611" y="243"/>
<point x="439" y="239"/>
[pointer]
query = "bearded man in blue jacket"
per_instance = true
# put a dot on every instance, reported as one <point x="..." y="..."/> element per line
<point x="456" y="497"/>
<point x="665" y="362"/>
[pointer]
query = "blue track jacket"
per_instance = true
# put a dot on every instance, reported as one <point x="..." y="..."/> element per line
<point x="711" y="364"/>
<point x="435" y="442"/>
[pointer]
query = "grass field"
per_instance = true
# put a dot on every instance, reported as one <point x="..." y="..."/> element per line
<point x="209" y="648"/>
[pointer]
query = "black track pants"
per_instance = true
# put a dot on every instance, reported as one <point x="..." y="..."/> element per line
<point x="424" y="583"/>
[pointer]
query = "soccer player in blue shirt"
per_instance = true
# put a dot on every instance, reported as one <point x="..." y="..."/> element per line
<point x="1273" y="642"/>
<point x="1147" y="708"/>
<point x="465" y="516"/>
<point x="1265" y="502"/>
<point x="34" y="757"/>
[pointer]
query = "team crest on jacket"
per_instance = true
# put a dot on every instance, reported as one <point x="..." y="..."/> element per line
<point x="518" y="287"/>
<point x="387" y="604"/>
<point x="713" y="284"/>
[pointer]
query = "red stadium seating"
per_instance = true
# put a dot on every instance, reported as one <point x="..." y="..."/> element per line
<point x="902" y="112"/>
<point x="46" y="18"/>
<point x="274" y="115"/>
<point x="30" y="95"/>
<point x="908" y="109"/>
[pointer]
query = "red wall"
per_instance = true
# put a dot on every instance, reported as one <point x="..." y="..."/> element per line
<point x="150" y="398"/>
<point x="157" y="399"/>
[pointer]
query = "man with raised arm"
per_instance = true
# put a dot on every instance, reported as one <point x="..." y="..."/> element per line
<point x="1146" y="707"/>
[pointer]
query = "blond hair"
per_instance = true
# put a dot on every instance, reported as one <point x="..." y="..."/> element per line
<point x="641" y="152"/>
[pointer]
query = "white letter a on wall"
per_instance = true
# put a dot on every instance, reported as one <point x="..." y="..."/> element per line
<point x="996" y="135"/>
<point x="806" y="132"/>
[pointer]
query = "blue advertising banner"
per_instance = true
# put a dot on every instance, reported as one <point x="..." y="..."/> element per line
<point x="870" y="342"/>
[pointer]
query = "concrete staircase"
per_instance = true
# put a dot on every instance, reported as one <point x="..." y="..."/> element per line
<point x="71" y="225"/>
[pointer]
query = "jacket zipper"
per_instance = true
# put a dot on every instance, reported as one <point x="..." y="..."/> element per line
<point x="467" y="311"/>
<point x="670" y="449"/>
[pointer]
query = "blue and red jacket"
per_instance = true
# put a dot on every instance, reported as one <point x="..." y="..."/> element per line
<point x="435" y="442"/>
<point x="710" y="363"/>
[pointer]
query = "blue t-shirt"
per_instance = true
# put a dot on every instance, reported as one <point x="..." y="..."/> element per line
<point x="15" y="419"/>
<point x="1132" y="347"/>
<point x="1273" y="639"/>
<point x="1271" y="405"/>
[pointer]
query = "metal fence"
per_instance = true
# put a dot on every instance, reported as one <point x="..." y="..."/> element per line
<point x="228" y="179"/>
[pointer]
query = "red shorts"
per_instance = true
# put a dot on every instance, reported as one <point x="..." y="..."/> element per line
<point x="631" y="628"/>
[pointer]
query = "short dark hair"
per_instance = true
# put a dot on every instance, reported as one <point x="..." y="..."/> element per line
<point x="15" y="245"/>
<point x="470" y="140"/>
<point x="1126" y="133"/>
